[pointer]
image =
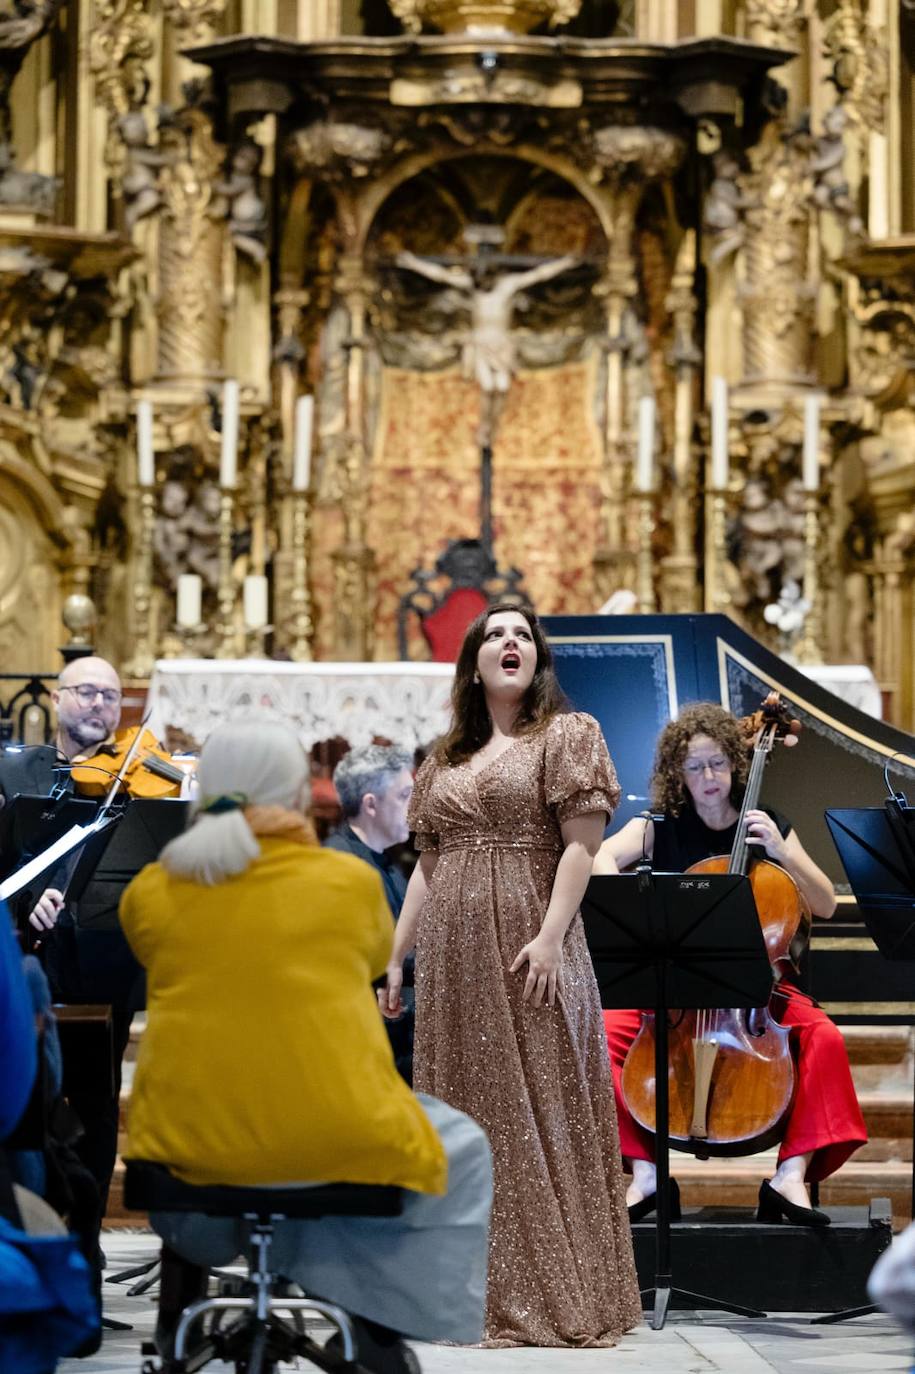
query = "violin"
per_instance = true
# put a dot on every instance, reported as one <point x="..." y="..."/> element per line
<point x="731" y="1072"/>
<point x="133" y="762"/>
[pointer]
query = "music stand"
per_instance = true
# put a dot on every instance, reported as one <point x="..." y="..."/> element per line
<point x="109" y="859"/>
<point x="30" y="824"/>
<point x="877" y="847"/>
<point x="675" y="941"/>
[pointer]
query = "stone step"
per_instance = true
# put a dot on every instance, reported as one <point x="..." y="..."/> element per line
<point x="735" y="1183"/>
<point x="878" y="1044"/>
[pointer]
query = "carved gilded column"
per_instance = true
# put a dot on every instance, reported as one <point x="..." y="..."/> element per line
<point x="679" y="571"/>
<point x="354" y="562"/>
<point x="625" y="160"/>
<point x="192" y="221"/>
<point x="778" y="297"/>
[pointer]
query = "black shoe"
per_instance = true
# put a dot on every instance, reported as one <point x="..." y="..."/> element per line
<point x="775" y="1208"/>
<point x="395" y="1357"/>
<point x="646" y="1205"/>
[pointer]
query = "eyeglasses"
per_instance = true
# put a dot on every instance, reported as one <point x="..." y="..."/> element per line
<point x="719" y="764"/>
<point x="85" y="694"/>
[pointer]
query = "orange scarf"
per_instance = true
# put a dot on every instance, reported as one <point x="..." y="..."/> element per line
<point x="279" y="821"/>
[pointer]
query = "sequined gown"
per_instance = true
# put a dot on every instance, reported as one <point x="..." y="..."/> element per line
<point x="537" y="1079"/>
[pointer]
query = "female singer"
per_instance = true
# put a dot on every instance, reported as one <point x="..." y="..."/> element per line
<point x="508" y="811"/>
<point x="701" y="767"/>
<point x="265" y="1061"/>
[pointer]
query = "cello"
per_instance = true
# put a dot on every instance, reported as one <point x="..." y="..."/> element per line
<point x="731" y="1074"/>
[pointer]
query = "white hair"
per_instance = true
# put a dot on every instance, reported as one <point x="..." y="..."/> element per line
<point x="258" y="762"/>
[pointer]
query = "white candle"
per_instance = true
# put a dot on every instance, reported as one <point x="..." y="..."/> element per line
<point x="719" y="433"/>
<point x="644" y="468"/>
<point x="146" y="458"/>
<point x="810" y="462"/>
<point x="255" y="601"/>
<point x="190" y="590"/>
<point x="301" y="458"/>
<point x="228" y="459"/>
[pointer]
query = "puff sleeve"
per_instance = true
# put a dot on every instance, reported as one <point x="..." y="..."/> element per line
<point x="419" y="815"/>
<point x="578" y="772"/>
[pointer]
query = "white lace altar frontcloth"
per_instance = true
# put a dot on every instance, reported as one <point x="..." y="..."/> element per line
<point x="853" y="682"/>
<point x="407" y="703"/>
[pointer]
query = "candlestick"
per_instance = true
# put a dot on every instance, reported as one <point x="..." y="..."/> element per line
<point x="807" y="649"/>
<point x="228" y="457"/>
<point x="644" y="472"/>
<point x="719" y="433"/>
<point x="299" y="598"/>
<point x="146" y="458"/>
<point x="141" y="662"/>
<point x="301" y="458"/>
<point x="190" y="598"/>
<point x="645" y="558"/>
<point x="810" y="462"/>
<point x="254" y="601"/>
<point x="226" y="643"/>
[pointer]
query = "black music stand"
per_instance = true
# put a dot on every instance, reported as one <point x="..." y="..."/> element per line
<point x="30" y="824"/>
<point x="877" y="847"/>
<point x="675" y="941"/>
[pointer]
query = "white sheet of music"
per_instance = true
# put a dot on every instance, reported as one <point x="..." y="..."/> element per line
<point x="75" y="836"/>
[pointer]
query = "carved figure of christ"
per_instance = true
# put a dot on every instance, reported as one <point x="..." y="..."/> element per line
<point x="489" y="352"/>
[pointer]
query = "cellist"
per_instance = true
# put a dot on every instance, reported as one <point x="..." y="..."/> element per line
<point x="700" y="769"/>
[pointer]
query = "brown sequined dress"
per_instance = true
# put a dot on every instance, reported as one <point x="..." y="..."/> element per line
<point x="537" y="1079"/>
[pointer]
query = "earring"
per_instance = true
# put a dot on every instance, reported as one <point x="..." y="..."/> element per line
<point x="476" y="679"/>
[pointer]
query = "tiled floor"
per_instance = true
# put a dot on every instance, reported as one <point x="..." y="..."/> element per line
<point x="690" y="1343"/>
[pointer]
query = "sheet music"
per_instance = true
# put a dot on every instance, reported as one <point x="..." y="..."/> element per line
<point x="74" y="837"/>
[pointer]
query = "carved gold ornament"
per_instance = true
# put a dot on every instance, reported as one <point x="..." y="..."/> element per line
<point x="483" y="16"/>
<point x="194" y="17"/>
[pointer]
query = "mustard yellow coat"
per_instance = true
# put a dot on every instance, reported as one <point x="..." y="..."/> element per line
<point x="265" y="1059"/>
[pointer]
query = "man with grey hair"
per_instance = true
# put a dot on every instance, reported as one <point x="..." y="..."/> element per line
<point x="374" y="783"/>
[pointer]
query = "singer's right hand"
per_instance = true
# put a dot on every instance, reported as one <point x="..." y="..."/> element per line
<point x="46" y="910"/>
<point x="389" y="1002"/>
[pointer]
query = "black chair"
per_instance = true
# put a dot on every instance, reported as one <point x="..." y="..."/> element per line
<point x="259" y="1338"/>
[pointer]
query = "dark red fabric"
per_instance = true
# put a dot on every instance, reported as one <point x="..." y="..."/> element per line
<point x="445" y="627"/>
<point x="825" y="1116"/>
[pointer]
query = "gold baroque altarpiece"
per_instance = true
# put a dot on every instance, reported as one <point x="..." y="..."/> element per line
<point x="196" y="190"/>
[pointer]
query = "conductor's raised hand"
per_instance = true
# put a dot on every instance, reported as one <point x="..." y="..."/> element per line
<point x="46" y="910"/>
<point x="389" y="996"/>
<point x="543" y="957"/>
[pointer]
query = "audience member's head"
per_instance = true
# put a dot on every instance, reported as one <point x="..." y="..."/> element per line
<point x="244" y="764"/>
<point x="374" y="784"/>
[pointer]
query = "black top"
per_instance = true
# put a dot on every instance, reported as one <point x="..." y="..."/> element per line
<point x="345" y="839"/>
<point x="684" y="840"/>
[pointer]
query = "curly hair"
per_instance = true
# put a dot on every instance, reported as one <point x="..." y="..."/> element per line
<point x="668" y="788"/>
<point x="471" y="723"/>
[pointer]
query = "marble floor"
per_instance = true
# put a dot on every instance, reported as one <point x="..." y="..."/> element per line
<point x="690" y="1343"/>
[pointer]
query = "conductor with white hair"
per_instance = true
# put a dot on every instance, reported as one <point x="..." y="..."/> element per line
<point x="265" y="1060"/>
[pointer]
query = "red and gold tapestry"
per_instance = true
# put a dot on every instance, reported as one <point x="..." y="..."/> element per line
<point x="546" y="474"/>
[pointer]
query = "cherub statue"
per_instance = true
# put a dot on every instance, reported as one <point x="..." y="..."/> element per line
<point x="142" y="196"/>
<point x="247" y="213"/>
<point x="171" y="540"/>
<point x="489" y="353"/>
<point x="723" y="208"/>
<point x="201" y="522"/>
<point x="831" y="190"/>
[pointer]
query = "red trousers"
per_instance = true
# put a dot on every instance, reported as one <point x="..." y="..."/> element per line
<point x="825" y="1118"/>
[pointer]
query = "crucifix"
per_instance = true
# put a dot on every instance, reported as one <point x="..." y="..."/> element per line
<point x="489" y="355"/>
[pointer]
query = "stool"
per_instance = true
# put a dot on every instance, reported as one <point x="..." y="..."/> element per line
<point x="260" y="1339"/>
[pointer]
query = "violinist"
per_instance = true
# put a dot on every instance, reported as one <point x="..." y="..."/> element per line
<point x="700" y="770"/>
<point x="82" y="966"/>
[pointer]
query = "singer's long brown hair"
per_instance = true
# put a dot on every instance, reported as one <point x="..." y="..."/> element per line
<point x="471" y="724"/>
